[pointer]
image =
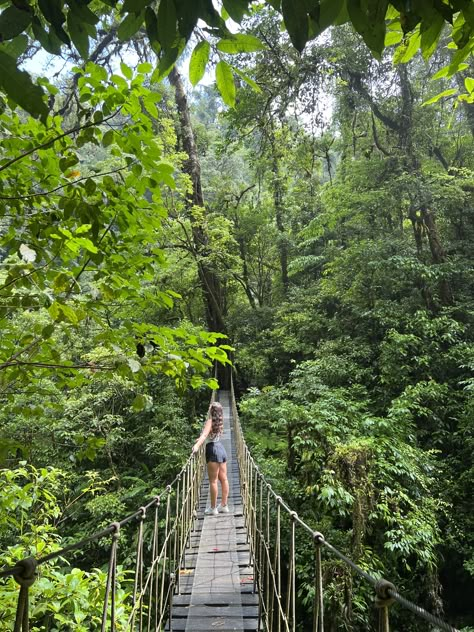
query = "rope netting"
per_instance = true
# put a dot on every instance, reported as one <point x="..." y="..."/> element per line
<point x="156" y="565"/>
<point x="268" y="517"/>
<point x="170" y="516"/>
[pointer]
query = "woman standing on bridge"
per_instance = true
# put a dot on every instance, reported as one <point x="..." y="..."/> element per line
<point x="216" y="457"/>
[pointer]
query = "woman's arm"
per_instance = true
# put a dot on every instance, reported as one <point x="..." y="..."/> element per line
<point x="205" y="431"/>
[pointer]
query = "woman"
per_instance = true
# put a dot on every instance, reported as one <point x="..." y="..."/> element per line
<point x="216" y="457"/>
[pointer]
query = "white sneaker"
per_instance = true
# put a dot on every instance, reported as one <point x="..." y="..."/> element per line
<point x="211" y="511"/>
<point x="223" y="508"/>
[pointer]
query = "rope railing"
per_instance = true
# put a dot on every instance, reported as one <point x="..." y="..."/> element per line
<point x="156" y="567"/>
<point x="265" y="513"/>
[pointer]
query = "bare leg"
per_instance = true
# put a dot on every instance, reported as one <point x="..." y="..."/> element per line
<point x="212" y="472"/>
<point x="224" y="482"/>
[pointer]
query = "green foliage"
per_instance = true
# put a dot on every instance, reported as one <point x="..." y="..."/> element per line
<point x="31" y="506"/>
<point x="225" y="82"/>
<point x="358" y="377"/>
<point x="198" y="62"/>
<point x="55" y="24"/>
<point x="72" y="268"/>
<point x="360" y="482"/>
<point x="338" y="229"/>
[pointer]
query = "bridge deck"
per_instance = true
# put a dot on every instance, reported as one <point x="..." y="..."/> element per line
<point x="216" y="587"/>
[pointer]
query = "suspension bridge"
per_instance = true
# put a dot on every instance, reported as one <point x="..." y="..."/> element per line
<point x="235" y="571"/>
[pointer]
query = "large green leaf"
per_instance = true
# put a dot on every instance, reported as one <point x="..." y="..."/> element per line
<point x="430" y="32"/>
<point x="13" y="22"/>
<point x="457" y="60"/>
<point x="151" y="24"/>
<point x="368" y="19"/>
<point x="248" y="80"/>
<point x="393" y="37"/>
<point x="446" y="93"/>
<point x="83" y="12"/>
<point x="225" y="83"/>
<point x="16" y="46"/>
<point x="357" y="16"/>
<point x="135" y="6"/>
<point x="296" y="22"/>
<point x="461" y="32"/>
<point x="236" y="8"/>
<point x="167" y="61"/>
<point x="78" y="34"/>
<point x="187" y="15"/>
<point x="48" y="41"/>
<point x="198" y="62"/>
<point x="408" y="48"/>
<point x="52" y="11"/>
<point x="240" y="43"/>
<point x="129" y="26"/>
<point x="20" y="89"/>
<point x="167" y="23"/>
<point x="208" y="13"/>
<point x="329" y="12"/>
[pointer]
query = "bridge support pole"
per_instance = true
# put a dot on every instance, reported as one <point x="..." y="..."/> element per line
<point x="170" y="601"/>
<point x="318" y="621"/>
<point x="383" y="601"/>
<point x="25" y="579"/>
<point x="111" y="581"/>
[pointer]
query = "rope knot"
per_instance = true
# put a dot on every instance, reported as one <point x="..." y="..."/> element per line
<point x="157" y="500"/>
<point x="318" y="537"/>
<point x="27" y="575"/>
<point x="382" y="595"/>
<point x="142" y="515"/>
<point x="116" y="530"/>
<point x="293" y="515"/>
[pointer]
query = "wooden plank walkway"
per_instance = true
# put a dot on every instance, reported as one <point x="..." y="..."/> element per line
<point x="216" y="587"/>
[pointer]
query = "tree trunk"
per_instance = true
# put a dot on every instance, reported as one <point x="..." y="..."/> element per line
<point x="291" y="455"/>
<point x="437" y="253"/>
<point x="279" y="211"/>
<point x="245" y="273"/>
<point x="426" y="222"/>
<point x="213" y="293"/>
<point x="405" y="130"/>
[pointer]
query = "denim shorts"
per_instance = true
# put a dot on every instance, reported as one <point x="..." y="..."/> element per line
<point x="215" y="452"/>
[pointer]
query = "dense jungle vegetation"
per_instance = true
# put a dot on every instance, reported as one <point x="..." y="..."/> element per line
<point x="308" y="216"/>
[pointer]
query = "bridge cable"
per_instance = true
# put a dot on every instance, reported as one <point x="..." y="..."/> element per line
<point x="268" y="572"/>
<point x="154" y="582"/>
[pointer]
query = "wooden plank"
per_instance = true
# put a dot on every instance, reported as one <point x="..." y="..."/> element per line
<point x="216" y="585"/>
<point x="228" y="611"/>
<point x="216" y="623"/>
<point x="247" y="599"/>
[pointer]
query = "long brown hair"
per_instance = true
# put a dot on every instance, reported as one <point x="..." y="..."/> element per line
<point x="217" y="416"/>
